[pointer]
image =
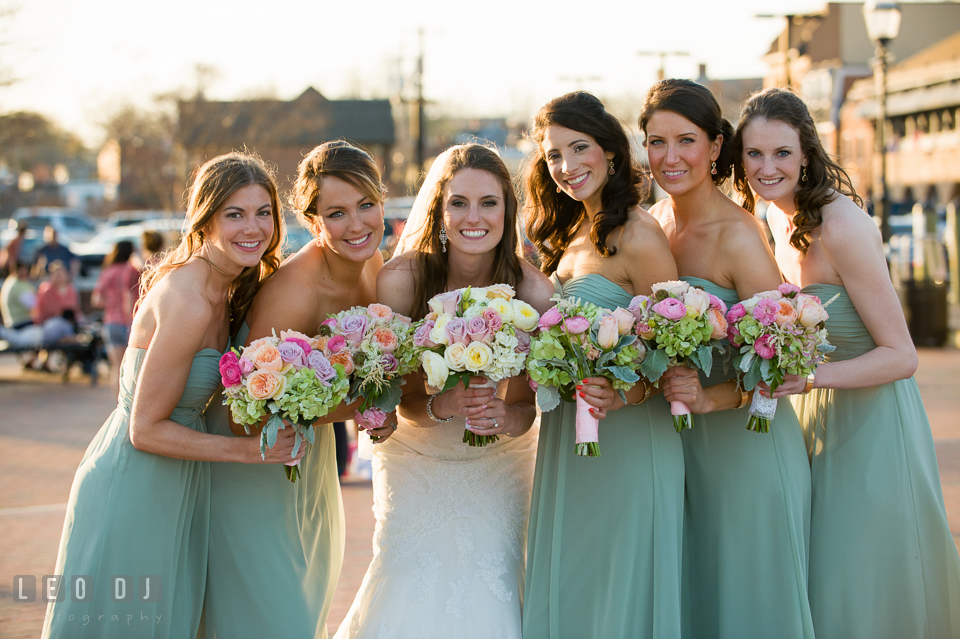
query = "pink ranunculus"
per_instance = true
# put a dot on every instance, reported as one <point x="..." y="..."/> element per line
<point x="736" y="313"/>
<point x="389" y="362"/>
<point x="230" y="373"/>
<point x="523" y="342"/>
<point x="672" y="309"/>
<point x="477" y="330"/>
<point x="370" y="419"/>
<point x="764" y="348"/>
<point x="533" y="384"/>
<point x="336" y="344"/>
<point x="421" y="337"/>
<point x="353" y="327"/>
<point x="717" y="303"/>
<point x="576" y="325"/>
<point x="457" y="331"/>
<point x="766" y="311"/>
<point x="246" y="366"/>
<point x="787" y="289"/>
<point x="625" y="320"/>
<point x="608" y="333"/>
<point x="320" y="365"/>
<point x="550" y="319"/>
<point x="494" y="321"/>
<point x="292" y="353"/>
<point x="733" y="333"/>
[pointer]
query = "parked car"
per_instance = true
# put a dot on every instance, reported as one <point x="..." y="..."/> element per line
<point x="126" y="218"/>
<point x="93" y="252"/>
<point x="72" y="225"/>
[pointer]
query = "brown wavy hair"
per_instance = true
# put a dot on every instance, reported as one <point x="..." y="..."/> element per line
<point x="432" y="264"/>
<point x="825" y="178"/>
<point x="554" y="217"/>
<point x="696" y="103"/>
<point x="213" y="183"/>
<point x="338" y="159"/>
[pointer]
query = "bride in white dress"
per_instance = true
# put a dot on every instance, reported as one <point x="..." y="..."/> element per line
<point x="449" y="544"/>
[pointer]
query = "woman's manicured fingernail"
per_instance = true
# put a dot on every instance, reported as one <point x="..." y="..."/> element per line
<point x="582" y="395"/>
<point x="579" y="386"/>
<point x="468" y="421"/>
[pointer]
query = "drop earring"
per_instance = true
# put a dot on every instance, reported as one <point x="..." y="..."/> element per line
<point x="558" y="189"/>
<point x="443" y="238"/>
<point x="804" y="177"/>
<point x="610" y="170"/>
<point x="713" y="168"/>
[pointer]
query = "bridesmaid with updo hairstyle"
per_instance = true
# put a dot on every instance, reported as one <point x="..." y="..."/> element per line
<point x="276" y="547"/>
<point x="883" y="563"/>
<point x="603" y="551"/>
<point x="747" y="496"/>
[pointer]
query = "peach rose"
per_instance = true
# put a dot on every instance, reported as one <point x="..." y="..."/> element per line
<point x="266" y="384"/>
<point x="717" y="322"/>
<point x="268" y="358"/>
<point x="502" y="291"/>
<point x="380" y="312"/>
<point x="319" y="343"/>
<point x="787" y="314"/>
<point x="625" y="320"/>
<point x="344" y="359"/>
<point x="385" y="338"/>
<point x="810" y="310"/>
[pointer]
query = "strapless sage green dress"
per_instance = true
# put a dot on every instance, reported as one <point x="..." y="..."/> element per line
<point x="276" y="547"/>
<point x="883" y="564"/>
<point x="605" y="534"/>
<point x="138" y="515"/>
<point x="746" y="520"/>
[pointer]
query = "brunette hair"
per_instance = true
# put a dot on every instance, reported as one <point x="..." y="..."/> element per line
<point x="825" y="178"/>
<point x="213" y="183"/>
<point x="338" y="159"/>
<point x="555" y="216"/>
<point x="120" y="254"/>
<point x="432" y="264"/>
<point x="696" y="103"/>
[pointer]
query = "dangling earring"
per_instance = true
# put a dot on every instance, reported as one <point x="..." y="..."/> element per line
<point x="804" y="177"/>
<point x="558" y="189"/>
<point x="610" y="170"/>
<point x="713" y="168"/>
<point x="443" y="238"/>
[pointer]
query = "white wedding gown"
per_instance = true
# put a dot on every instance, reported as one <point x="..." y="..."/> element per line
<point x="450" y="539"/>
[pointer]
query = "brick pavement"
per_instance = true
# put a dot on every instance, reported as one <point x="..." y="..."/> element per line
<point x="46" y="426"/>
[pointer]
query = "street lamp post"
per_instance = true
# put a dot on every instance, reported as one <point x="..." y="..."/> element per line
<point x="883" y="24"/>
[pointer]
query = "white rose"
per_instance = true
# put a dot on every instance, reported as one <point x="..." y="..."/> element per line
<point x="478" y="294"/>
<point x="525" y="317"/>
<point x="438" y="334"/>
<point x="435" y="368"/>
<point x="750" y="304"/>
<point x="674" y="288"/>
<point x="697" y="299"/>
<point x="477" y="356"/>
<point x="474" y="311"/>
<point x="453" y="356"/>
<point x="503" y="307"/>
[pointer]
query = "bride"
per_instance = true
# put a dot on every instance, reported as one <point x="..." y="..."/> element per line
<point x="451" y="519"/>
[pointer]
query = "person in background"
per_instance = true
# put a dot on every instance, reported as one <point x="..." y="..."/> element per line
<point x="151" y="243"/>
<point x="53" y="251"/>
<point x="57" y="295"/>
<point x="117" y="293"/>
<point x="10" y="255"/>
<point x="17" y="297"/>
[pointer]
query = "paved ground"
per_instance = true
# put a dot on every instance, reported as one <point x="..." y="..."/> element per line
<point x="46" y="426"/>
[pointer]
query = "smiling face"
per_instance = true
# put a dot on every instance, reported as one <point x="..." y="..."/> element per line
<point x="680" y="152"/>
<point x="473" y="212"/>
<point x="347" y="221"/>
<point x="241" y="229"/>
<point x="773" y="160"/>
<point x="577" y="163"/>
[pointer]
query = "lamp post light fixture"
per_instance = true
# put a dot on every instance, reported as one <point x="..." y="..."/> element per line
<point x="883" y="24"/>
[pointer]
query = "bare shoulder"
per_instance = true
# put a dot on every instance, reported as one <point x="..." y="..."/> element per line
<point x="535" y="288"/>
<point x="660" y="210"/>
<point x="741" y="231"/>
<point x="176" y="309"/>
<point x="641" y="234"/>
<point x="845" y="225"/>
<point x="288" y="299"/>
<point x="396" y="283"/>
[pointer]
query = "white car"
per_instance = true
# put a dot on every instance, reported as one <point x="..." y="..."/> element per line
<point x="72" y="225"/>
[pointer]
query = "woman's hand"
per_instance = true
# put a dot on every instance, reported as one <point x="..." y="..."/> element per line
<point x="466" y="402"/>
<point x="282" y="450"/>
<point x="380" y="435"/>
<point x="598" y="392"/>
<point x="682" y="384"/>
<point x="498" y="418"/>
<point x="792" y="385"/>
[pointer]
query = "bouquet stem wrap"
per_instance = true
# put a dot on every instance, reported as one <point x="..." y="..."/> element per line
<point x="470" y="437"/>
<point x="681" y="416"/>
<point x="762" y="411"/>
<point x="588" y="427"/>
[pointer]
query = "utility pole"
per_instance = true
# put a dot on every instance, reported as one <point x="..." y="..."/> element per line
<point x="662" y="71"/>
<point x="420" y="120"/>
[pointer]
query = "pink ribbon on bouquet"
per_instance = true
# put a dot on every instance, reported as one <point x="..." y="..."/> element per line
<point x="588" y="426"/>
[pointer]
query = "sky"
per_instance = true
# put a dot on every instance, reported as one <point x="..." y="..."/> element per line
<point x="77" y="62"/>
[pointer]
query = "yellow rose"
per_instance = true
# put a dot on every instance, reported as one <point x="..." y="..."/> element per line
<point x="525" y="317"/>
<point x="453" y="356"/>
<point x="477" y="356"/>
<point x="436" y="369"/>
<point x="437" y="334"/>
<point x="266" y="384"/>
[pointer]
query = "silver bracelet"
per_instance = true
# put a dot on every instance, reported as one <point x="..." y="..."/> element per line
<point x="430" y="411"/>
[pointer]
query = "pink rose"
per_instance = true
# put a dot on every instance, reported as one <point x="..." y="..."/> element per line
<point x="457" y="331"/>
<point x="336" y="344"/>
<point x="736" y="313"/>
<point x="640" y="307"/>
<point x="787" y="289"/>
<point x="523" y="342"/>
<point x="421" y="337"/>
<point x="764" y="348"/>
<point x="230" y="373"/>
<point x="292" y="353"/>
<point x="286" y="336"/>
<point x="370" y="419"/>
<point x="303" y="344"/>
<point x="645" y="330"/>
<point x="810" y="310"/>
<point x="494" y="321"/>
<point x="670" y="308"/>
<point x="477" y="330"/>
<point x="625" y="320"/>
<point x="321" y="366"/>
<point x="576" y="325"/>
<point x="445" y="302"/>
<point x="246" y="366"/>
<point x="717" y="303"/>
<point x="389" y="362"/>
<point x="766" y="311"/>
<point x="330" y="323"/>
<point x="353" y="327"/>
<point x="550" y="319"/>
<point x="608" y="333"/>
<point x="533" y="384"/>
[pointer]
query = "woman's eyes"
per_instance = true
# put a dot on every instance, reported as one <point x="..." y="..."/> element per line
<point x="336" y="214"/>
<point x="655" y="142"/>
<point x="366" y="205"/>
<point x="553" y="157"/>
<point x="753" y="154"/>
<point x="489" y="203"/>
<point x="265" y="212"/>
<point x="580" y="147"/>
<point x="783" y="154"/>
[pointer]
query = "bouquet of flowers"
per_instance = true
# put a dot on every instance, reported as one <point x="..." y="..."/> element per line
<point x="288" y="379"/>
<point x="475" y="332"/>
<point x="578" y="340"/>
<point x="777" y="332"/>
<point x="682" y="325"/>
<point x="373" y="344"/>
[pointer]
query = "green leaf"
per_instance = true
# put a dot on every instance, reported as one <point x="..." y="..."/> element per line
<point x="274" y="424"/>
<point x="654" y="364"/>
<point x="752" y="376"/>
<point x="705" y="356"/>
<point x="765" y="370"/>
<point x="389" y="398"/>
<point x="624" y="374"/>
<point x="747" y="361"/>
<point x="310" y="434"/>
<point x="548" y="398"/>
<point x="297" y="440"/>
